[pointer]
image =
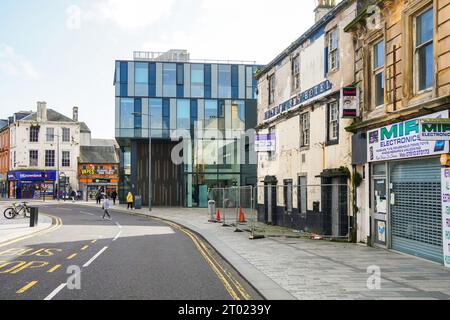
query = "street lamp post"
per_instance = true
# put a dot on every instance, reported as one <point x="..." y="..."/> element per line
<point x="149" y="157"/>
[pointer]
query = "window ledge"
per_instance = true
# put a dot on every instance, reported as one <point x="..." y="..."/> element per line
<point x="331" y="143"/>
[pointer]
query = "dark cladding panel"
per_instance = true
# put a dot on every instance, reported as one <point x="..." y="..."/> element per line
<point x="359" y="148"/>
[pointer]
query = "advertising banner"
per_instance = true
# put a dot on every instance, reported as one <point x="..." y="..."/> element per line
<point x="445" y="179"/>
<point x="265" y="142"/>
<point x="434" y="129"/>
<point x="401" y="141"/>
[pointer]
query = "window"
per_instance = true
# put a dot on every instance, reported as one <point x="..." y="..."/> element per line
<point x="378" y="74"/>
<point x="126" y="113"/>
<point x="156" y="114"/>
<point x="169" y="80"/>
<point x="34" y="134"/>
<point x="183" y="114"/>
<point x="49" y="158"/>
<point x="333" y="121"/>
<point x="66" y="158"/>
<point x="50" y="136"/>
<point x="272" y="154"/>
<point x="296" y="73"/>
<point x="271" y="89"/>
<point x="211" y="115"/>
<point x="197" y="81"/>
<point x="424" y="50"/>
<point x="141" y="79"/>
<point x="34" y="158"/>
<point x="224" y="79"/>
<point x="333" y="49"/>
<point x="65" y="135"/>
<point x="238" y="115"/>
<point x="304" y="127"/>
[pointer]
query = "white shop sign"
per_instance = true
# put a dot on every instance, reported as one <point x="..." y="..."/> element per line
<point x="401" y="140"/>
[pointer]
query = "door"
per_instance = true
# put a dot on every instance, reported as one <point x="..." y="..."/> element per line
<point x="416" y="210"/>
<point x="380" y="204"/>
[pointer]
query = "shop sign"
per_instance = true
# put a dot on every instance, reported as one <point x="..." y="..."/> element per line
<point x="445" y="182"/>
<point x="349" y="102"/>
<point x="434" y="129"/>
<point x="298" y="99"/>
<point x="32" y="176"/>
<point x="401" y="141"/>
<point x="265" y="142"/>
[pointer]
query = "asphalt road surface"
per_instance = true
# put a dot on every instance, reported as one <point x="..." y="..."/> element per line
<point x="85" y="257"/>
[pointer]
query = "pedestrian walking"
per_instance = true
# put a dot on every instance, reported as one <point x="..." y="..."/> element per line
<point x="129" y="201"/>
<point x="114" y="196"/>
<point x="106" y="208"/>
<point x="99" y="196"/>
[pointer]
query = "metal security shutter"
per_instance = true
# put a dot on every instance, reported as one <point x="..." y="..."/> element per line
<point x="416" y="216"/>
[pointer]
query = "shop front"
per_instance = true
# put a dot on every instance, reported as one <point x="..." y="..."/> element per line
<point x="405" y="189"/>
<point x="95" y="177"/>
<point x="32" y="184"/>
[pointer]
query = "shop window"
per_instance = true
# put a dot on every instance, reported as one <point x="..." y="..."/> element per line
<point x="423" y="50"/>
<point x="34" y="134"/>
<point x="378" y="74"/>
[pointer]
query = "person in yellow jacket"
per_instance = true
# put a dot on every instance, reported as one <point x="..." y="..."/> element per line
<point x="129" y="201"/>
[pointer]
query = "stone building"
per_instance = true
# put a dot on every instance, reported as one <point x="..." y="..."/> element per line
<point x="402" y="70"/>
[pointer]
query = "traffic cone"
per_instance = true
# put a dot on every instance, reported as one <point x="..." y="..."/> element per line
<point x="241" y="216"/>
<point x="218" y="215"/>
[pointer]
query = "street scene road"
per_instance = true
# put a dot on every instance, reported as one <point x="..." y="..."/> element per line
<point x="130" y="257"/>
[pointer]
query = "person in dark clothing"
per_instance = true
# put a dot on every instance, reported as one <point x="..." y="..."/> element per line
<point x="99" y="196"/>
<point x="114" y="196"/>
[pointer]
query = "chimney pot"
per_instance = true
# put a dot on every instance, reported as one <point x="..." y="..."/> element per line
<point x="75" y="114"/>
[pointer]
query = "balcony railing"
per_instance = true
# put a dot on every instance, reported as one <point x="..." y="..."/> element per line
<point x="181" y="56"/>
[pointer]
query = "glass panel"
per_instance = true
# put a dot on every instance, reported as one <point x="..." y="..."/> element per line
<point x="156" y="113"/>
<point x="211" y="114"/>
<point x="378" y="52"/>
<point x="183" y="114"/>
<point x="126" y="113"/>
<point x="426" y="67"/>
<point x="197" y="80"/>
<point x="141" y="72"/>
<point x="425" y="27"/>
<point x="379" y="89"/>
<point x="169" y="80"/>
<point x="224" y="80"/>
<point x="379" y="169"/>
<point x="238" y="115"/>
<point x="380" y="200"/>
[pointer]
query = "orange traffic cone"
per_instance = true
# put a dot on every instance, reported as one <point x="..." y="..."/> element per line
<point x="218" y="215"/>
<point x="241" y="215"/>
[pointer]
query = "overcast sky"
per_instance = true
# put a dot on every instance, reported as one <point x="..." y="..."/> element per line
<point x="63" y="52"/>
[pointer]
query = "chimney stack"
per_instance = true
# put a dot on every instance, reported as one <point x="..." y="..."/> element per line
<point x="41" y="111"/>
<point x="323" y="7"/>
<point x="75" y="114"/>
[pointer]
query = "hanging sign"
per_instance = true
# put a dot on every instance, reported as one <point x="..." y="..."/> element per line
<point x="434" y="129"/>
<point x="349" y="102"/>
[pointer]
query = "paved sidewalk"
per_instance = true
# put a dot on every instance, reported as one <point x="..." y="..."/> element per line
<point x="20" y="226"/>
<point x="283" y="268"/>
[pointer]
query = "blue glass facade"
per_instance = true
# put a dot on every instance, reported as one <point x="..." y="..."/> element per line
<point x="157" y="98"/>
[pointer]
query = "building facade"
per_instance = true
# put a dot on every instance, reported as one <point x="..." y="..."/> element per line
<point x="300" y="109"/>
<point x="402" y="70"/>
<point x="44" y="145"/>
<point x="210" y="104"/>
<point x="4" y="157"/>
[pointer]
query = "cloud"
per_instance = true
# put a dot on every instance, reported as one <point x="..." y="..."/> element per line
<point x="14" y="64"/>
<point x="73" y="21"/>
<point x="131" y="13"/>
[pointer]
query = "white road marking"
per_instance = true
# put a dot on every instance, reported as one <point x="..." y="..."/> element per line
<point x="118" y="235"/>
<point x="88" y="213"/>
<point x="56" y="291"/>
<point x="67" y="209"/>
<point x="118" y="224"/>
<point x="94" y="257"/>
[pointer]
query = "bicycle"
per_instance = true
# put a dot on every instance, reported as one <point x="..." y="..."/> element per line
<point x="16" y="209"/>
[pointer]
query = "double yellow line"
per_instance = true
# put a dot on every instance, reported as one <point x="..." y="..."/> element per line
<point x="234" y="288"/>
<point x="56" y="224"/>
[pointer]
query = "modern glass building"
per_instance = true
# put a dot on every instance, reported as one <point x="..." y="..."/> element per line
<point x="211" y="104"/>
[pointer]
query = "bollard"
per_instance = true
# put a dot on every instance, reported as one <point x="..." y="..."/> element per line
<point x="34" y="216"/>
<point x="211" y="210"/>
